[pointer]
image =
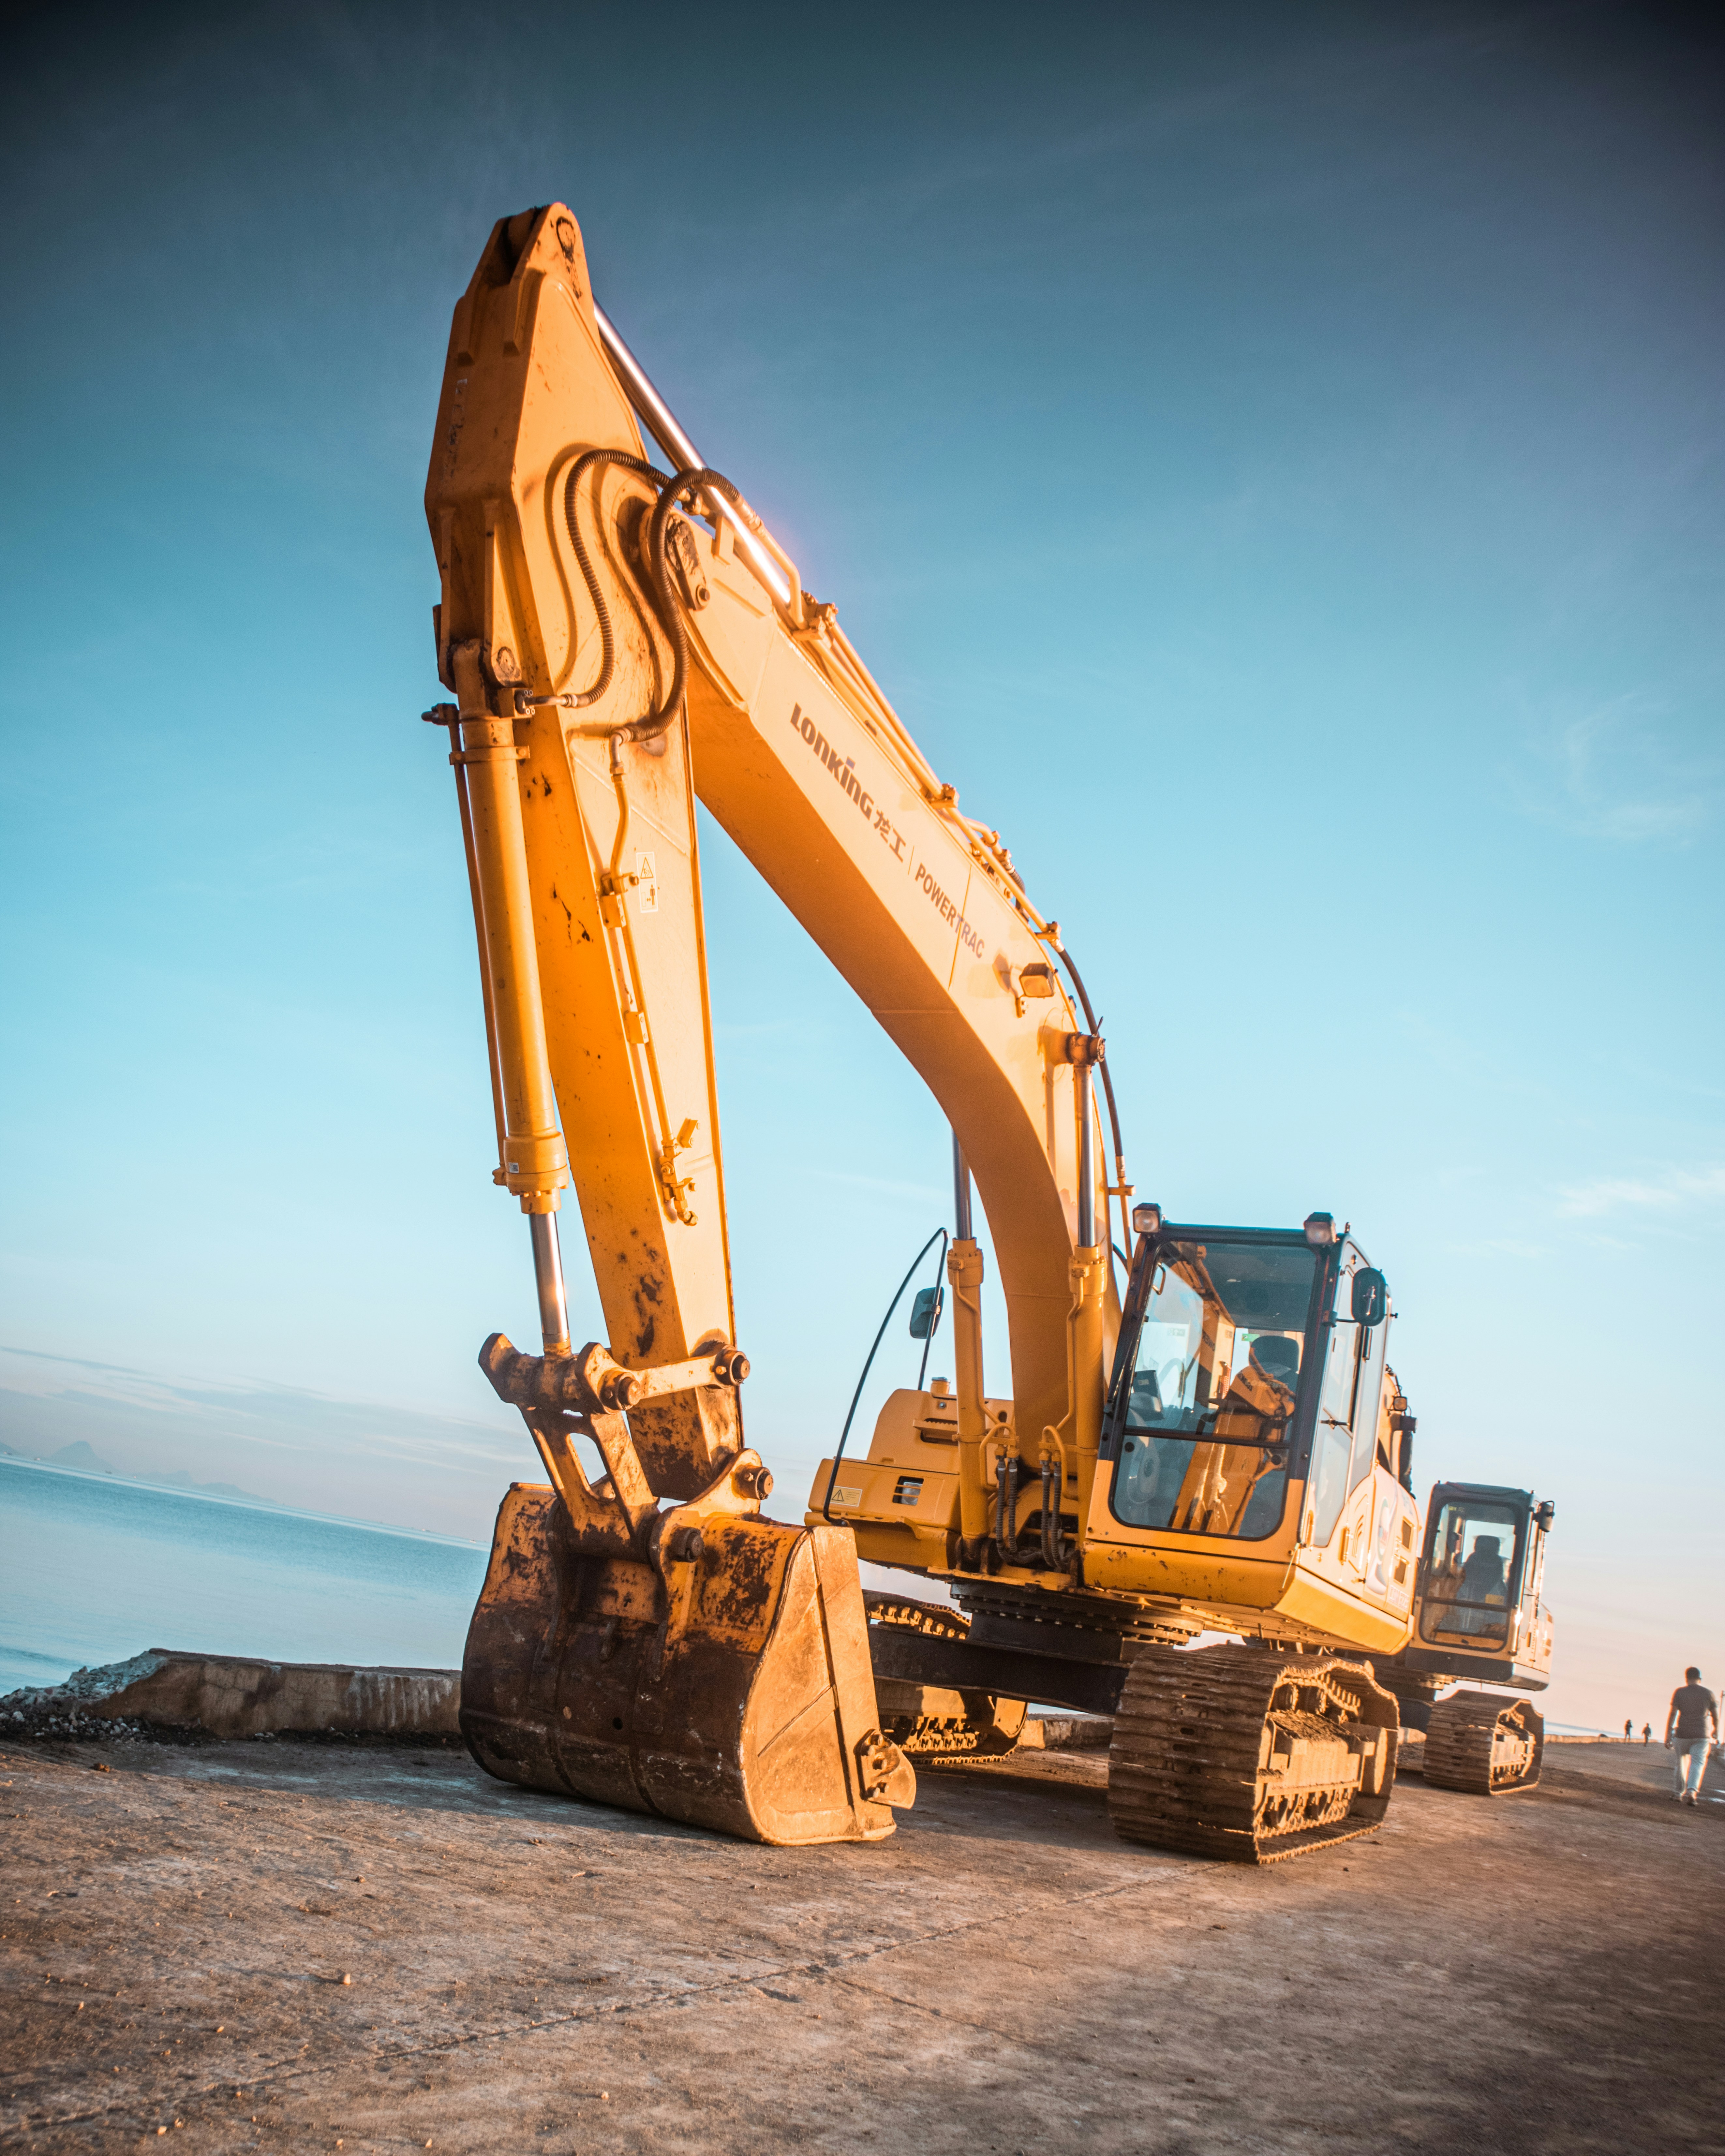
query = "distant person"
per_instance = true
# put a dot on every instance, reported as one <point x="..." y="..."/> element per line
<point x="1646" y="1733"/>
<point x="1694" y="1715"/>
<point x="1629" y="1731"/>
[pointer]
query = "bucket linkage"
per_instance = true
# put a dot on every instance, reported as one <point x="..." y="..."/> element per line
<point x="697" y="1661"/>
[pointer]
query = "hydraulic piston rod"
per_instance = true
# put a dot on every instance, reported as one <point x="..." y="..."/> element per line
<point x="534" y="1163"/>
<point x="548" y="1273"/>
<point x="964" y="1273"/>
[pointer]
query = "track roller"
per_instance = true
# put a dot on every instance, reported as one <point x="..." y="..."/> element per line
<point x="1484" y="1742"/>
<point x="1250" y="1753"/>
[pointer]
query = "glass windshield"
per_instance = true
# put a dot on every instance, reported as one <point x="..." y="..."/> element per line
<point x="1203" y="1445"/>
<point x="1473" y="1569"/>
<point x="1349" y="1405"/>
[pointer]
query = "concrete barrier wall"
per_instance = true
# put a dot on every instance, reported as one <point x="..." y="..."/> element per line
<point x="234" y="1695"/>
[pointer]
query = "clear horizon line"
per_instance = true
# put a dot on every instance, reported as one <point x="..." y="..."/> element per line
<point x="240" y="1504"/>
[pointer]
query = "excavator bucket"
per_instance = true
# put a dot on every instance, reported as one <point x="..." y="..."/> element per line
<point x="730" y="1688"/>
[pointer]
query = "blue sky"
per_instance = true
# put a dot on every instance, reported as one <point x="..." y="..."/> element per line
<point x="1273" y="459"/>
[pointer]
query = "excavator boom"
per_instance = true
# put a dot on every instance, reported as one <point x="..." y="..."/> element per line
<point x="645" y="1637"/>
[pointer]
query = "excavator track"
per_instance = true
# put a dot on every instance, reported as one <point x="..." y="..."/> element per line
<point x="907" y="1615"/>
<point x="1484" y="1743"/>
<point x="1250" y="1753"/>
<point x="936" y="1724"/>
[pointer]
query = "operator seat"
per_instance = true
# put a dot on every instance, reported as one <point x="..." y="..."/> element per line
<point x="1262" y="1393"/>
<point x="1485" y="1578"/>
<point x="1279" y="1357"/>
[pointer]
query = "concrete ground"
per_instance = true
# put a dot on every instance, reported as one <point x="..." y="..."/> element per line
<point x="295" y="1946"/>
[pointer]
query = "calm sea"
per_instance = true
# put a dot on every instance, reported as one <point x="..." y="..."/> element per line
<point x="93" y="1570"/>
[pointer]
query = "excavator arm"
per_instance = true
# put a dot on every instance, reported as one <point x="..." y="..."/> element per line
<point x="622" y="640"/>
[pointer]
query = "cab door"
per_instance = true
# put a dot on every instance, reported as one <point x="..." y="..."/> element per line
<point x="1345" y="1434"/>
<point x="1365" y="1396"/>
<point x="1381" y="1518"/>
<point x="1360" y="1522"/>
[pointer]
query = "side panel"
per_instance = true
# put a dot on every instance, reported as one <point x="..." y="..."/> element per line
<point x="1349" y="1591"/>
<point x="1371" y="1558"/>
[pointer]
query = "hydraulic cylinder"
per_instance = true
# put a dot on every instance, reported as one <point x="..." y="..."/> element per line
<point x="534" y="1161"/>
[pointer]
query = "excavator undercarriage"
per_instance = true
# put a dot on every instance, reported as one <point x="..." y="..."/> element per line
<point x="938" y="1722"/>
<point x="1249" y="1753"/>
<point x="1484" y="1743"/>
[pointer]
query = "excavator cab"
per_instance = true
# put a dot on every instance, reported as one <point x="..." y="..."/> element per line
<point x="1481" y="1611"/>
<point x="1254" y="1439"/>
<point x="1480" y="1616"/>
<point x="1207" y="1410"/>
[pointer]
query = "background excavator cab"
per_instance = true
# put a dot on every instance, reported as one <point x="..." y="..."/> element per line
<point x="1480" y="1615"/>
<point x="1481" y="1611"/>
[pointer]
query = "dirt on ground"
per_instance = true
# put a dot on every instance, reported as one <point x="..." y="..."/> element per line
<point x="288" y="1946"/>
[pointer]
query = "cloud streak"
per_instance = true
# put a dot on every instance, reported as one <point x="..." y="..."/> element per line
<point x="1628" y="774"/>
<point x="1674" y="1189"/>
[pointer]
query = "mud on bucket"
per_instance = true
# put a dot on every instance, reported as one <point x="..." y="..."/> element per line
<point x="728" y="1685"/>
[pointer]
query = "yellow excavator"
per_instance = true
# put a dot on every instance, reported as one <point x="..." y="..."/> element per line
<point x="1202" y="1434"/>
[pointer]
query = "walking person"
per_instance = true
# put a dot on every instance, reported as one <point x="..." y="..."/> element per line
<point x="1694" y="1715"/>
<point x="1629" y="1729"/>
<point x="1646" y="1733"/>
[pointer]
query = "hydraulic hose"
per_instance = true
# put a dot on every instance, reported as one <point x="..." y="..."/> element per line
<point x="608" y="648"/>
<point x="686" y="483"/>
<point x="671" y="490"/>
<point x="1090" y="1020"/>
<point x="1055" y="1555"/>
<point x="1006" y="1494"/>
<point x="938" y="1236"/>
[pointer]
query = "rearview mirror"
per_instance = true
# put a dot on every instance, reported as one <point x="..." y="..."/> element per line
<point x="926" y="1313"/>
<point x="1371" y="1297"/>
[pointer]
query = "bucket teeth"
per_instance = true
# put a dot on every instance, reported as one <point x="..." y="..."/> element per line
<point x="735" y="1696"/>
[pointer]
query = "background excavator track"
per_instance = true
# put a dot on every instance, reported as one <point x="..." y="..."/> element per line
<point x="1484" y="1743"/>
<point x="1250" y="1754"/>
<point x="909" y="1615"/>
<point x="934" y="1723"/>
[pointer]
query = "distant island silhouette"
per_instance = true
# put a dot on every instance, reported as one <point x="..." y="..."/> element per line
<point x="83" y="1458"/>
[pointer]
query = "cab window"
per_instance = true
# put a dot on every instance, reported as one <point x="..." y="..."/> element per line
<point x="1344" y="1444"/>
<point x="1206" y="1417"/>
<point x="1471" y="1577"/>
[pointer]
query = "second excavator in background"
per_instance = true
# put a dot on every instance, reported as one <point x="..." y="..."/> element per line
<point x="1204" y="1436"/>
